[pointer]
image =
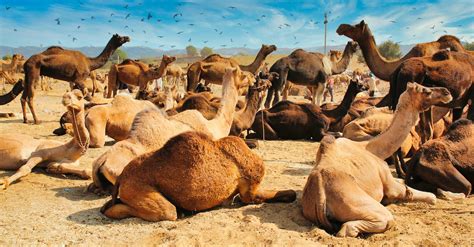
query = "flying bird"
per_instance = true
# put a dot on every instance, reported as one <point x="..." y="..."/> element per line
<point x="161" y="45"/>
<point x="149" y="16"/>
<point x="7" y="7"/>
<point x="126" y="6"/>
<point x="392" y="21"/>
<point x="160" y="36"/>
<point x="126" y="26"/>
<point x="223" y="45"/>
<point x="294" y="36"/>
<point x="159" y="20"/>
<point x="112" y="14"/>
<point x="216" y="30"/>
<point x="83" y="19"/>
<point x="74" y="39"/>
<point x="286" y="24"/>
<point x="180" y="32"/>
<point x="144" y="31"/>
<point x="232" y="7"/>
<point x="128" y="15"/>
<point x="296" y="43"/>
<point x="78" y="27"/>
<point x="191" y="24"/>
<point x="258" y="19"/>
<point x="245" y="45"/>
<point x="445" y="31"/>
<point x="231" y="41"/>
<point x="433" y="27"/>
<point x="59" y="42"/>
<point x="240" y="24"/>
<point x="205" y="41"/>
<point x="58" y="22"/>
<point x="221" y="32"/>
<point x="263" y="16"/>
<point x="189" y="40"/>
<point x="177" y="14"/>
<point x="143" y="19"/>
<point x="92" y="17"/>
<point x="173" y="46"/>
<point x="14" y="30"/>
<point x="419" y="18"/>
<point x="110" y="21"/>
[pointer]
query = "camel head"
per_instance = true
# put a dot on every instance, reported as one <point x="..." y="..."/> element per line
<point x="424" y="97"/>
<point x="167" y="60"/>
<point x="232" y="77"/>
<point x="351" y="47"/>
<point x="335" y="55"/>
<point x="356" y="32"/>
<point x="357" y="85"/>
<point x="118" y="40"/>
<point x="267" y="49"/>
<point x="247" y="79"/>
<point x="74" y="100"/>
<point x="202" y="88"/>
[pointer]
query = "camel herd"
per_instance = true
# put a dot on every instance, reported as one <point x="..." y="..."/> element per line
<point x="190" y="151"/>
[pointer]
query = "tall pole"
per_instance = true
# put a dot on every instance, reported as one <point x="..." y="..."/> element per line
<point x="325" y="30"/>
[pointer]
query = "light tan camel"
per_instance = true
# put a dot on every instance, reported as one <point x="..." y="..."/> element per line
<point x="174" y="74"/>
<point x="151" y="129"/>
<point x="135" y="73"/>
<point x="192" y="172"/>
<point x="23" y="153"/>
<point x="350" y="178"/>
<point x="8" y="68"/>
<point x="382" y="68"/>
<point x="211" y="68"/>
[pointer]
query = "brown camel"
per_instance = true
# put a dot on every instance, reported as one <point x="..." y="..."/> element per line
<point x="447" y="162"/>
<point x="449" y="69"/>
<point x="309" y="69"/>
<point x="350" y="178"/>
<point x="152" y="128"/>
<point x="211" y="70"/>
<point x="288" y="120"/>
<point x="23" y="153"/>
<point x="382" y="68"/>
<point x="191" y="172"/>
<point x="135" y="73"/>
<point x="66" y="65"/>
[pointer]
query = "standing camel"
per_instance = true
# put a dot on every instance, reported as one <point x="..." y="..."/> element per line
<point x="23" y="152"/>
<point x="350" y="179"/>
<point x="309" y="69"/>
<point x="62" y="64"/>
<point x="135" y="73"/>
<point x="209" y="70"/>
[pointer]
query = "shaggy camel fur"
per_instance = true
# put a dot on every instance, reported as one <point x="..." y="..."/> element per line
<point x="135" y="73"/>
<point x="212" y="67"/>
<point x="453" y="70"/>
<point x="309" y="69"/>
<point x="382" y="68"/>
<point x="288" y="120"/>
<point x="447" y="162"/>
<point x="151" y="129"/>
<point x="191" y="172"/>
<point x="66" y="65"/>
<point x="23" y="153"/>
<point x="350" y="178"/>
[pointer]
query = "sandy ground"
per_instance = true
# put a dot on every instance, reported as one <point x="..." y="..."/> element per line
<point x="44" y="209"/>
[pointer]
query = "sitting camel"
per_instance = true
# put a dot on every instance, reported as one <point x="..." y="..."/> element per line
<point x="135" y="73"/>
<point x="447" y="162"/>
<point x="191" y="172"/>
<point x="23" y="153"/>
<point x="152" y="128"/>
<point x="350" y="178"/>
<point x="288" y="120"/>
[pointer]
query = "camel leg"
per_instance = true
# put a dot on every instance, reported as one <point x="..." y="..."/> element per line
<point x="23" y="107"/>
<point x="286" y="90"/>
<point x="96" y="129"/>
<point x="267" y="132"/>
<point x="32" y="108"/>
<point x="142" y="201"/>
<point x="68" y="168"/>
<point x="22" y="172"/>
<point x="250" y="193"/>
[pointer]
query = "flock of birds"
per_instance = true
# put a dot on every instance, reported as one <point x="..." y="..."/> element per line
<point x="177" y="17"/>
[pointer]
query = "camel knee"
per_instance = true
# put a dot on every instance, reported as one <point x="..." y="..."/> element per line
<point x="377" y="225"/>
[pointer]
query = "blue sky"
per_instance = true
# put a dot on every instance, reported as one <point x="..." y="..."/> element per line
<point x="220" y="23"/>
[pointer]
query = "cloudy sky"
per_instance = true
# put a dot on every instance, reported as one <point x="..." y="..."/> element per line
<point x="170" y="24"/>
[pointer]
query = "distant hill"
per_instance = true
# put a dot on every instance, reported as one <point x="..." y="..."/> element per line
<point x="136" y="52"/>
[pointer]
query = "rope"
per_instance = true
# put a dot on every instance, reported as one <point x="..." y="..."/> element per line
<point x="84" y="146"/>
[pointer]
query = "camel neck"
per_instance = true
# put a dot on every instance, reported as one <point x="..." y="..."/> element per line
<point x="100" y="60"/>
<point x="81" y="134"/>
<point x="343" y="63"/>
<point x="377" y="64"/>
<point x="389" y="141"/>
<point x="229" y="100"/>
<point x="256" y="64"/>
<point x="253" y="103"/>
<point x="341" y="110"/>
<point x="161" y="69"/>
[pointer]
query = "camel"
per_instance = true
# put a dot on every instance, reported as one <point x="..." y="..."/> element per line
<point x="174" y="74"/>
<point x="152" y="128"/>
<point x="288" y="120"/>
<point x="211" y="70"/>
<point x="67" y="65"/>
<point x="382" y="68"/>
<point x="135" y="73"/>
<point x="309" y="69"/>
<point x="191" y="172"/>
<point x="23" y="152"/>
<point x="351" y="178"/>
<point x="453" y="70"/>
<point x="10" y="67"/>
<point x="447" y="162"/>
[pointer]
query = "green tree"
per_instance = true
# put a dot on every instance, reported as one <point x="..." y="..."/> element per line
<point x="206" y="51"/>
<point x="118" y="56"/>
<point x="7" y="57"/>
<point x="469" y="46"/>
<point x="191" y="51"/>
<point x="390" y="50"/>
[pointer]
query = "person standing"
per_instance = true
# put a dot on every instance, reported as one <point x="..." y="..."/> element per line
<point x="330" y="88"/>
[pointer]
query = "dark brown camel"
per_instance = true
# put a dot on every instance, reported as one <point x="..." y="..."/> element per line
<point x="288" y="120"/>
<point x="449" y="69"/>
<point x="447" y="162"/>
<point x="63" y="64"/>
<point x="307" y="68"/>
<point x="191" y="172"/>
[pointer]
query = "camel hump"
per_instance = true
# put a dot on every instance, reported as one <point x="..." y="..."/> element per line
<point x="326" y="143"/>
<point x="460" y="130"/>
<point x="441" y="55"/>
<point x="448" y="38"/>
<point x="54" y="47"/>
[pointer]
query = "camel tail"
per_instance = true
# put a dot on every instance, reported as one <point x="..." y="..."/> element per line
<point x="314" y="202"/>
<point x="10" y="96"/>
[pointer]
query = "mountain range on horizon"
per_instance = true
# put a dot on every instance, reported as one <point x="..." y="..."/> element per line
<point x="137" y="52"/>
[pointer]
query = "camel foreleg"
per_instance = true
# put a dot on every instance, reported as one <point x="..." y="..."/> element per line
<point x="250" y="193"/>
<point x="22" y="172"/>
<point x="68" y="168"/>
